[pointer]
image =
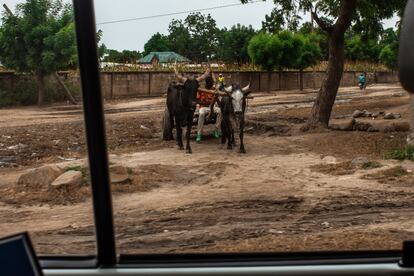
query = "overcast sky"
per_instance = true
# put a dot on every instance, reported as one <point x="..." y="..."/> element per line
<point x="132" y="35"/>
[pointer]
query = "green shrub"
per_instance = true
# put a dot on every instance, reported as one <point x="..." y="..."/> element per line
<point x="371" y="165"/>
<point x="406" y="153"/>
<point x="5" y="98"/>
<point x="25" y="92"/>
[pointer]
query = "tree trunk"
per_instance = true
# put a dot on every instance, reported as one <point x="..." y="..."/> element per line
<point x="322" y="108"/>
<point x="410" y="137"/>
<point x="68" y="94"/>
<point x="41" y="87"/>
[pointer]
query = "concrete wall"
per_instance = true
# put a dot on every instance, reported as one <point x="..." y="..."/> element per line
<point x="144" y="84"/>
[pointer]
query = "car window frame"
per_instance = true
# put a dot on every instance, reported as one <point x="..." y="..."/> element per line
<point x="106" y="256"/>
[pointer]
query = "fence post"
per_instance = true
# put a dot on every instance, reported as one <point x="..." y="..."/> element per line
<point x="112" y="86"/>
<point x="260" y="81"/>
<point x="297" y="80"/>
<point x="280" y="80"/>
<point x="149" y="83"/>
<point x="13" y="77"/>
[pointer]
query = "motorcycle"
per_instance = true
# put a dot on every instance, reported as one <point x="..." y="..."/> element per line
<point x="362" y="85"/>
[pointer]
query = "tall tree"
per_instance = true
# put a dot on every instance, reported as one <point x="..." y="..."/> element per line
<point x="284" y="50"/>
<point x="112" y="55"/>
<point x="310" y="54"/>
<point x="233" y="44"/>
<point x="389" y="45"/>
<point x="130" y="56"/>
<point x="265" y="50"/>
<point x="179" y="38"/>
<point x="317" y="35"/>
<point x="361" y="48"/>
<point x="195" y="38"/>
<point x="39" y="38"/>
<point x="335" y="18"/>
<point x="389" y="56"/>
<point x="101" y="47"/>
<point x="157" y="43"/>
<point x="126" y="56"/>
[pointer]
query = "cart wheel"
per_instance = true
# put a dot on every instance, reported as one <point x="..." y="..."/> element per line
<point x="166" y="126"/>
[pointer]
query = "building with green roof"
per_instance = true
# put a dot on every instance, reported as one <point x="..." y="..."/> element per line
<point x="163" y="57"/>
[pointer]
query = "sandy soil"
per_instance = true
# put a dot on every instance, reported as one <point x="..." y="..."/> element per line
<point x="280" y="196"/>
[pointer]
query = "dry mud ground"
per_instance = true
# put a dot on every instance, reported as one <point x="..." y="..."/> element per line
<point x="280" y="196"/>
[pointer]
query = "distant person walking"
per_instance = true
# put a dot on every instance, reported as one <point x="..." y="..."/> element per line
<point x="362" y="81"/>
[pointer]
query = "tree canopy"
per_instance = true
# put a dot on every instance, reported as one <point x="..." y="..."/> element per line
<point x="389" y="45"/>
<point x="157" y="43"/>
<point x="310" y="51"/>
<point x="39" y="38"/>
<point x="126" y="56"/>
<point x="233" y="44"/>
<point x="266" y="50"/>
<point x="195" y="38"/>
<point x="367" y="14"/>
<point x="284" y="50"/>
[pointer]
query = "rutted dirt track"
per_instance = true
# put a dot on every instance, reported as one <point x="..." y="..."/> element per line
<point x="271" y="199"/>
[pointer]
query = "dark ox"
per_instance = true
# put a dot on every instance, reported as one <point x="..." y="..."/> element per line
<point x="233" y="108"/>
<point x="181" y="104"/>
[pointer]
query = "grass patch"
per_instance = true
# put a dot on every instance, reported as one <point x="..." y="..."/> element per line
<point x="74" y="168"/>
<point x="405" y="153"/>
<point x="395" y="175"/>
<point x="344" y="168"/>
<point x="371" y="165"/>
<point x="130" y="171"/>
<point x="397" y="171"/>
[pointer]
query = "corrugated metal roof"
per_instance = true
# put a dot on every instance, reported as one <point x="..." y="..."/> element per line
<point x="163" y="57"/>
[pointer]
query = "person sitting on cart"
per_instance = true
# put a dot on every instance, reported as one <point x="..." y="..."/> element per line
<point x="205" y="110"/>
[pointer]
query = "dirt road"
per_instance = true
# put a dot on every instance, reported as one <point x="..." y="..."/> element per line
<point x="291" y="191"/>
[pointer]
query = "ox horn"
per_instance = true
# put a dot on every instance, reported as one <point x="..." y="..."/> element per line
<point x="179" y="77"/>
<point x="203" y="76"/>
<point x="229" y="89"/>
<point x="245" y="89"/>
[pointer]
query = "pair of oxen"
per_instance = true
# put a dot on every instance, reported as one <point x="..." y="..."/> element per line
<point x="181" y="104"/>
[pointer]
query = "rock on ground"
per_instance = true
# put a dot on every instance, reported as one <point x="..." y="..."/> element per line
<point x="345" y="125"/>
<point x="410" y="139"/>
<point x="329" y="160"/>
<point x="68" y="179"/>
<point x="357" y="114"/>
<point x="359" y="162"/>
<point x="391" y="116"/>
<point x="40" y="177"/>
<point x="118" y="174"/>
<point x="362" y="126"/>
<point x="408" y="165"/>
